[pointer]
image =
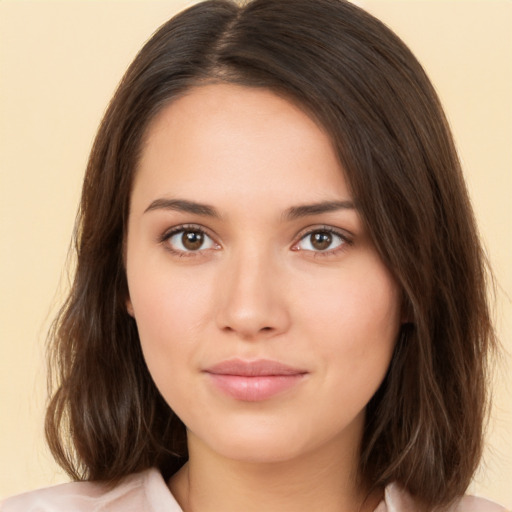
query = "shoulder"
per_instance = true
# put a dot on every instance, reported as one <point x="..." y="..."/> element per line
<point x="397" y="499"/>
<point x="145" y="491"/>
<point x="475" y="504"/>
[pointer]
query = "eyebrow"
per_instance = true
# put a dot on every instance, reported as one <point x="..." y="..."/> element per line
<point x="182" y="205"/>
<point x="297" y="212"/>
<point x="292" y="213"/>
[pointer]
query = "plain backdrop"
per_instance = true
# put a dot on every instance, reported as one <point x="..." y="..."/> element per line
<point x="60" y="62"/>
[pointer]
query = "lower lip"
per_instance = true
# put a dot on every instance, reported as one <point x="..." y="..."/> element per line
<point x="257" y="388"/>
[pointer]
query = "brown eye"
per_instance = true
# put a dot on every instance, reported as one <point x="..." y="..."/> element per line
<point x="321" y="240"/>
<point x="192" y="240"/>
<point x="189" y="240"/>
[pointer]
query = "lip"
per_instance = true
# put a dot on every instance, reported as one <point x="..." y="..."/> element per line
<point x="254" y="381"/>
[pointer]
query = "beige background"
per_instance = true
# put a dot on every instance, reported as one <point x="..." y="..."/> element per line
<point x="59" y="64"/>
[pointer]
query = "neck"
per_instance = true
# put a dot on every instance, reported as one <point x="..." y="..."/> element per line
<point x="315" y="481"/>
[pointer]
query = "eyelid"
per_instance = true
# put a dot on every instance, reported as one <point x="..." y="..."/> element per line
<point x="169" y="233"/>
<point x="345" y="235"/>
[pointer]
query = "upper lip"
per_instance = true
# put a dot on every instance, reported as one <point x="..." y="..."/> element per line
<point x="258" y="368"/>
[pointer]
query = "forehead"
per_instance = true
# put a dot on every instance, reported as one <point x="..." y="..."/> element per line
<point x="223" y="137"/>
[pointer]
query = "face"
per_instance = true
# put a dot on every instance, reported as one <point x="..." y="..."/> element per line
<point x="266" y="317"/>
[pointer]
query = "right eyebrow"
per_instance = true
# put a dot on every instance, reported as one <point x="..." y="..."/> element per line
<point x="183" y="205"/>
<point x="296" y="212"/>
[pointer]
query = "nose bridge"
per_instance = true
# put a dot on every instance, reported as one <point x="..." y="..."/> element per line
<point x="250" y="301"/>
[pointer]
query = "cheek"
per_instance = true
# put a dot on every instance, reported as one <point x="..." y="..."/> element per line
<point x="354" y="324"/>
<point x="170" y="308"/>
<point x="351" y="302"/>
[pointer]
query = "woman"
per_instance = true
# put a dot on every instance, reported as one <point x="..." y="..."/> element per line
<point x="279" y="300"/>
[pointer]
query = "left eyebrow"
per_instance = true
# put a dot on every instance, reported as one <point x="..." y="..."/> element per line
<point x="296" y="212"/>
<point x="183" y="205"/>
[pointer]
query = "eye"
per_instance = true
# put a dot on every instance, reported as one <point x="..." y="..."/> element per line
<point x="321" y="240"/>
<point x="187" y="240"/>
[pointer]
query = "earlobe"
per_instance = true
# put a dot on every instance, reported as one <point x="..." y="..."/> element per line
<point x="129" y="308"/>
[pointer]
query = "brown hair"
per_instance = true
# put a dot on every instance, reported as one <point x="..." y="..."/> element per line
<point x="106" y="418"/>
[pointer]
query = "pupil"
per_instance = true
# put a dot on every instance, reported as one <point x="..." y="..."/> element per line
<point x="321" y="240"/>
<point x="192" y="240"/>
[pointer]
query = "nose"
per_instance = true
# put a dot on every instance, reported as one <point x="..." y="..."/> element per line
<point x="251" y="298"/>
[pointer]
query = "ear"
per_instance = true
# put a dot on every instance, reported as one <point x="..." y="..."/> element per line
<point x="129" y="307"/>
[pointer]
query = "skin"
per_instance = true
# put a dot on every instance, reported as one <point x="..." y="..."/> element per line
<point x="258" y="287"/>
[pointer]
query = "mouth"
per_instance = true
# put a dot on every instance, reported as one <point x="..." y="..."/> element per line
<point x="254" y="381"/>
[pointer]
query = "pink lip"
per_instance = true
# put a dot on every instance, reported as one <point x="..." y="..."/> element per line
<point x="254" y="381"/>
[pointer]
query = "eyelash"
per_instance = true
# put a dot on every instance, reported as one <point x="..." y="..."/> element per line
<point x="345" y="240"/>
<point x="184" y="229"/>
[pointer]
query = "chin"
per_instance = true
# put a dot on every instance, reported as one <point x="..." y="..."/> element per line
<point x="260" y="450"/>
<point x="261" y="442"/>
